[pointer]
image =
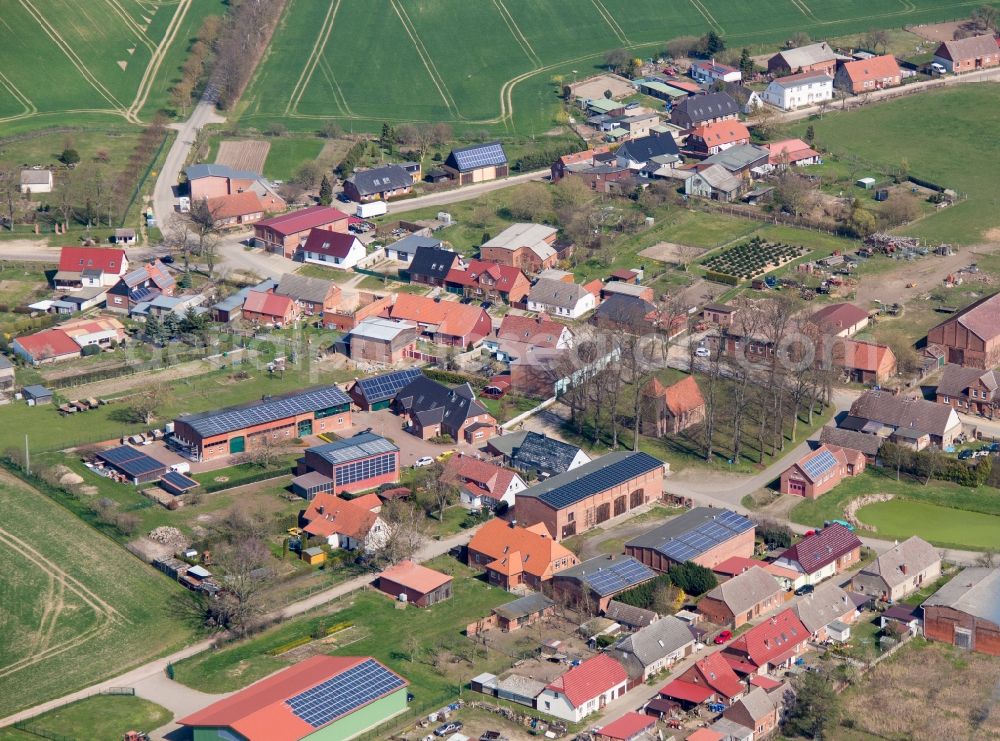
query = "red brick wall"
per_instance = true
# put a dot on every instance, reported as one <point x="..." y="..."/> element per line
<point x="940" y="624"/>
<point x="530" y="510"/>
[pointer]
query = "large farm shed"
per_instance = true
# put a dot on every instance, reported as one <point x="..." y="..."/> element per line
<point x="357" y="463"/>
<point x="236" y="430"/>
<point x="133" y="464"/>
<point x="704" y="535"/>
<point x="324" y="697"/>
<point x="477" y="163"/>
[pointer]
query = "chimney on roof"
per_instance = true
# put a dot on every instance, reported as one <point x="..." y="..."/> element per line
<point x="902" y="567"/>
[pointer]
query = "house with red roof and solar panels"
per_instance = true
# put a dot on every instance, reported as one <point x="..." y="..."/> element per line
<point x="823" y="554"/>
<point x="773" y="644"/>
<point x="324" y="697"/>
<point x="584" y="689"/>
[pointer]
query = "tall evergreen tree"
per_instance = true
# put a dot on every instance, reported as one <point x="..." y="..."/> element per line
<point x="746" y="64"/>
<point x="714" y="44"/>
<point x="326" y="191"/>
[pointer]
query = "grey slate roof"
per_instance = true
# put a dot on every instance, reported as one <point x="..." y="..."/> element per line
<point x="692" y="533"/>
<point x="380" y="179"/>
<point x="746" y="589"/>
<point x="975" y="591"/>
<point x="897" y="411"/>
<point x="591" y="478"/>
<point x="803" y="56"/>
<point x="740" y="158"/>
<point x="303" y="288"/>
<point x="827" y="604"/>
<point x="530" y="451"/>
<point x="194" y="172"/>
<point x="629" y="615"/>
<point x="5" y="364"/>
<point x="916" y="554"/>
<point x="409" y="244"/>
<point x="432" y="262"/>
<point x="646" y="147"/>
<point x="623" y="309"/>
<point x="696" y="109"/>
<point x="652" y="643"/>
<point x="432" y="402"/>
<point x="556" y="293"/>
<point x="867" y="444"/>
<point x="523" y="607"/>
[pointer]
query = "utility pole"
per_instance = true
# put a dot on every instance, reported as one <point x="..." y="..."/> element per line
<point x="27" y="456"/>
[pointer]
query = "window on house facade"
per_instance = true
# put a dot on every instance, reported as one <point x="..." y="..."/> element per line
<point x="963" y="637"/>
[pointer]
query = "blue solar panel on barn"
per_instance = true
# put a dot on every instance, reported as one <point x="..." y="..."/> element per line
<point x="386" y="386"/>
<point x="344" y="693"/>
<point x="619" y="576"/>
<point x="594" y="477"/>
<point x="816" y="467"/>
<point x="269" y="410"/>
<point x="481" y="155"/>
<point x="133" y="462"/>
<point x="179" y="481"/>
<point x="707" y="535"/>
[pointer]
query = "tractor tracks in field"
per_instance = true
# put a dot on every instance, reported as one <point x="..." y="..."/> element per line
<point x="105" y="615"/>
<point x="515" y="30"/>
<point x="156" y="60"/>
<point x="617" y="30"/>
<point x="326" y="27"/>
<point x="426" y="58"/>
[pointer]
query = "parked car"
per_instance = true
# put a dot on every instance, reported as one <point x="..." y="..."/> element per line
<point x="964" y="455"/>
<point x="938" y="69"/>
<point x="724" y="636"/>
<point x="167" y="259"/>
<point x="702" y="352"/>
<point x="805" y="589"/>
<point x="424" y="461"/>
<point x="445" y="456"/>
<point x="452" y="726"/>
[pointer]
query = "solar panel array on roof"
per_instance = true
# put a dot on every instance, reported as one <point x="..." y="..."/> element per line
<point x="133" y="462"/>
<point x="484" y="155"/>
<point x="360" y="446"/>
<point x="386" y="386"/>
<point x="268" y="410"/>
<point x="179" y="481"/>
<point x="592" y="478"/>
<point x="344" y="693"/>
<point x="619" y="576"/>
<point x="820" y="464"/>
<point x="707" y="535"/>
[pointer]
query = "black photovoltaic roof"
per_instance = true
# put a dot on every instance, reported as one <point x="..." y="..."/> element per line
<point x="179" y="480"/>
<point x="387" y="385"/>
<point x="133" y="462"/>
<point x="477" y="155"/>
<point x="690" y="535"/>
<point x="268" y="410"/>
<point x="610" y="576"/>
<point x="363" y="445"/>
<point x="592" y="478"/>
<point x="544" y="453"/>
<point x="344" y="693"/>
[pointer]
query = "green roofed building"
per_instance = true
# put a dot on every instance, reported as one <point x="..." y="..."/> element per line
<point x="325" y="698"/>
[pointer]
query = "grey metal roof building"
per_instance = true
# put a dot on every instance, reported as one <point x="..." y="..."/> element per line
<point x="692" y="534"/>
<point x="975" y="591"/>
<point x="304" y="288"/>
<point x="592" y="478"/>
<point x="268" y="409"/>
<point x="532" y="604"/>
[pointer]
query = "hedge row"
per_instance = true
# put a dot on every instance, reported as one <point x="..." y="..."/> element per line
<point x="443" y="376"/>
<point x="716" y="277"/>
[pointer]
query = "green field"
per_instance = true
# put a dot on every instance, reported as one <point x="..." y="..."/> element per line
<point x="900" y="518"/>
<point x="65" y="62"/>
<point x="375" y="631"/>
<point x="496" y="65"/>
<point x="947" y="150"/>
<point x="77" y="608"/>
<point x="100" y="718"/>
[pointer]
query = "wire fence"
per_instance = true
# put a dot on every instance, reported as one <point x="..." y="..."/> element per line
<point x="27" y="727"/>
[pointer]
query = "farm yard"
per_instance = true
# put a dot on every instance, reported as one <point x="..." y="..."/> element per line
<point x="76" y="608"/>
<point x="751" y="258"/>
<point x="105" y="61"/>
<point x="507" y="79"/>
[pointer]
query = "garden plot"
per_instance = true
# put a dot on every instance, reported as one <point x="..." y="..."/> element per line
<point x="750" y="259"/>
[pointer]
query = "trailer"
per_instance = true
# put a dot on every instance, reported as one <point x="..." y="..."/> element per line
<point x="369" y="210"/>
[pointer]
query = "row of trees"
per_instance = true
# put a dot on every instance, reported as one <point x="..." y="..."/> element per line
<point x="196" y="65"/>
<point x="243" y="39"/>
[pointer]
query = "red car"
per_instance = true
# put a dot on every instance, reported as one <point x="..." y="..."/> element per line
<point x="723" y="637"/>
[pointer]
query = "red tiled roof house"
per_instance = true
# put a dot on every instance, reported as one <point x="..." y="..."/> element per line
<point x="489" y="281"/>
<point x="825" y="553"/>
<point x="285" y="234"/>
<point x="584" y="689"/>
<point x="482" y="484"/>
<point x="868" y="75"/>
<point x="89" y="267"/>
<point x="514" y="556"/>
<point x="353" y="524"/>
<point x="773" y="644"/>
